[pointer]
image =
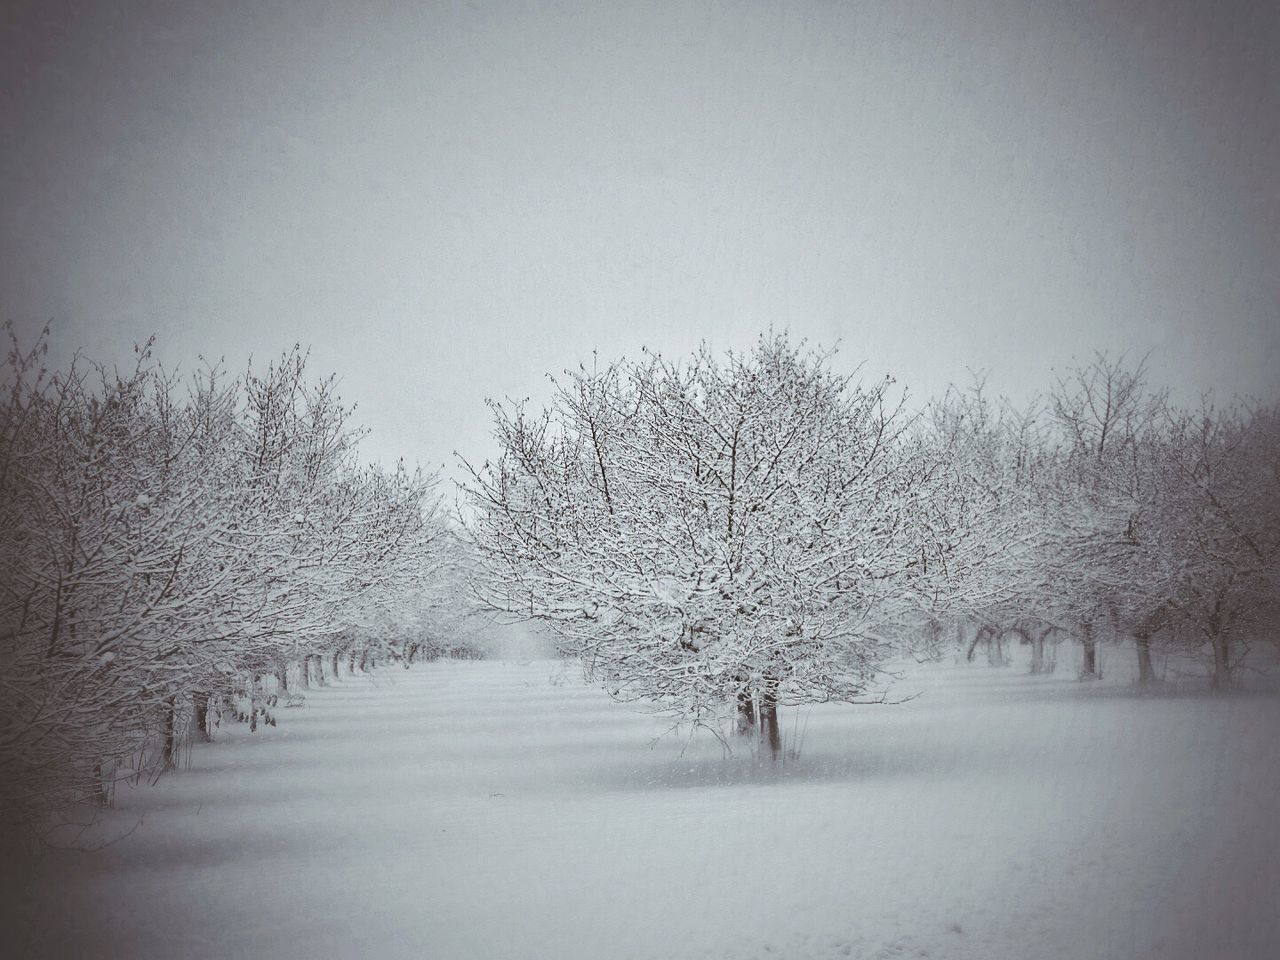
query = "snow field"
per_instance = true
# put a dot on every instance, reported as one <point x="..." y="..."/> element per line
<point x="505" y="810"/>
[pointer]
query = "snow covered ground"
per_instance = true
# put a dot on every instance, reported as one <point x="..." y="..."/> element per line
<point x="505" y="810"/>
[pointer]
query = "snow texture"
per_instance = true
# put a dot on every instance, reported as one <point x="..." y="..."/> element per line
<point x="505" y="810"/>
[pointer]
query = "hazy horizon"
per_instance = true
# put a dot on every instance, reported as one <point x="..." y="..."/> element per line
<point x="448" y="203"/>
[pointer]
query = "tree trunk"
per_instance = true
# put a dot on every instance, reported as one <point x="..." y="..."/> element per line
<point x="351" y="663"/>
<point x="1221" y="662"/>
<point x="170" y="756"/>
<point x="769" y="720"/>
<point x="337" y="655"/>
<point x="282" y="679"/>
<point x="304" y="673"/>
<point x="973" y="645"/>
<point x="771" y="732"/>
<point x="1146" y="672"/>
<point x="1037" y="652"/>
<point x="985" y="634"/>
<point x="746" y="719"/>
<point x="202" y="717"/>
<point x="995" y="649"/>
<point x="1090" y="669"/>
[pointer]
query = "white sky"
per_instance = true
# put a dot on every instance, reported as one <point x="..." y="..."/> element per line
<point x="448" y="201"/>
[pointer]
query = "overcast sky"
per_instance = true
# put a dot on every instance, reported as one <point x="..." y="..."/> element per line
<point x="449" y="200"/>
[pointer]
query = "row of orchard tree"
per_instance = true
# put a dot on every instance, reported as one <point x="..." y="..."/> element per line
<point x="1107" y="510"/>
<point x="173" y="547"/>
<point x="726" y="535"/>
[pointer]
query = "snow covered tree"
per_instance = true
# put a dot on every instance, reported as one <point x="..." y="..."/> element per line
<point x="97" y="503"/>
<point x="1102" y="550"/>
<point x="164" y="548"/>
<point x="721" y="537"/>
<point x="998" y="463"/>
<point x="1220" y="528"/>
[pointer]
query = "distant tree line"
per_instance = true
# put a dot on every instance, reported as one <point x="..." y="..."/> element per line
<point x="1106" y="510"/>
<point x="726" y="535"/>
<point x="175" y="550"/>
